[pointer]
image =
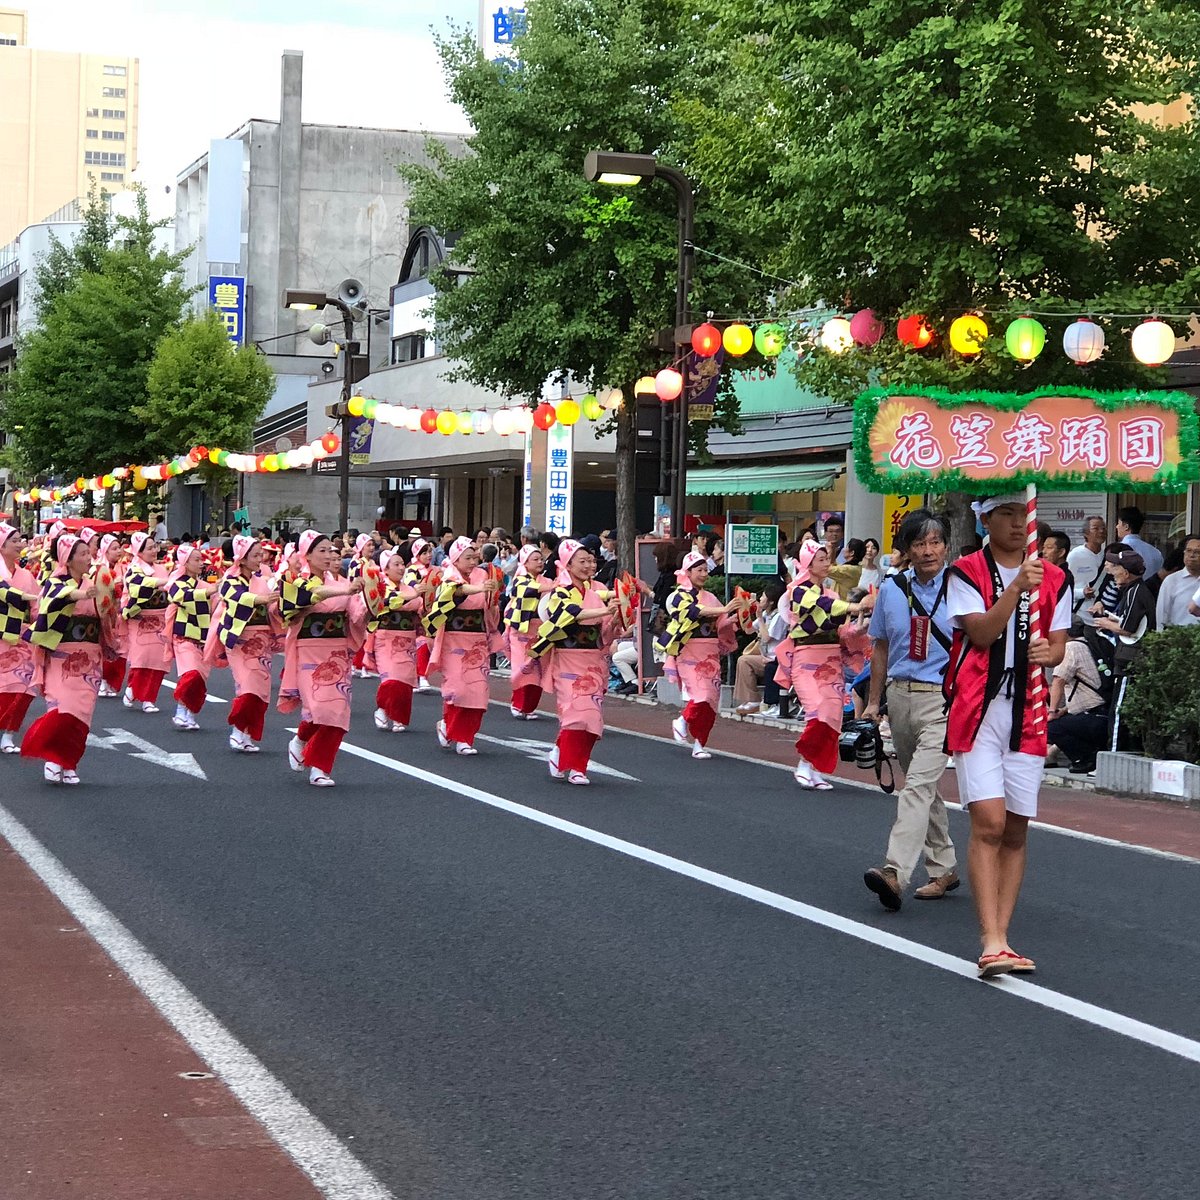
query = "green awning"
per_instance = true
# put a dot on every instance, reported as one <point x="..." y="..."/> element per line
<point x="758" y="481"/>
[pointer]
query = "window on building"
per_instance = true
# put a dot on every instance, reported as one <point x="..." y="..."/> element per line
<point x="8" y="41"/>
<point x="109" y="70"/>
<point x="408" y="348"/>
<point x="6" y="321"/>
<point x="92" y="133"/>
<point x="112" y="176"/>
<point x="103" y="158"/>
<point x="109" y="114"/>
<point x="113" y="93"/>
<point x="94" y="112"/>
<point x="113" y="135"/>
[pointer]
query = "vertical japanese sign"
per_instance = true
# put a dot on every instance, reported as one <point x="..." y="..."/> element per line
<point x="560" y="477"/>
<point x="500" y="24"/>
<point x="227" y="298"/>
<point x="527" y="483"/>
<point x="895" y="509"/>
<point x="703" y="378"/>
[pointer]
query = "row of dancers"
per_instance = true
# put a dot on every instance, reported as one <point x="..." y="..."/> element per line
<point x="83" y="616"/>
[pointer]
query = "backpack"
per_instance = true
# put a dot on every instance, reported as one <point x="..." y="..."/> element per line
<point x="1104" y="652"/>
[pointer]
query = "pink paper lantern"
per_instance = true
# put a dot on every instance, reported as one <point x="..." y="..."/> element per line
<point x="865" y="327"/>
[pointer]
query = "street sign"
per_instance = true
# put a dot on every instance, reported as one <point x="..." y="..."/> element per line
<point x="752" y="550"/>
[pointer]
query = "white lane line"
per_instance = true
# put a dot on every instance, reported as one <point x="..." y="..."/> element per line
<point x="314" y="1149"/>
<point x="1092" y="1014"/>
<point x="1063" y="830"/>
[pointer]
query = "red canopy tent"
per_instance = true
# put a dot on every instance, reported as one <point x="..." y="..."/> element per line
<point x="75" y="524"/>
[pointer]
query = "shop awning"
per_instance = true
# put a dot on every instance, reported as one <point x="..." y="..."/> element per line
<point x="760" y="481"/>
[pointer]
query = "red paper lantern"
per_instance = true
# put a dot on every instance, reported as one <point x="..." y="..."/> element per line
<point x="543" y="416"/>
<point x="915" y="331"/>
<point x="330" y="442"/>
<point x="706" y="340"/>
<point x="429" y="421"/>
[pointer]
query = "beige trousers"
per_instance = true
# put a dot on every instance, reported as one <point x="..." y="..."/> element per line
<point x="918" y="734"/>
<point x="746" y="679"/>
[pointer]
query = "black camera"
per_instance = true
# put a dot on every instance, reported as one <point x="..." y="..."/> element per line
<point x="860" y="744"/>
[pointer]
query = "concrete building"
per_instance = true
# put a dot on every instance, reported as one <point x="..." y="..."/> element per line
<point x="313" y="205"/>
<point x="67" y="120"/>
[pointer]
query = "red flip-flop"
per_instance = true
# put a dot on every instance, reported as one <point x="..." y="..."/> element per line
<point x="1020" y="964"/>
<point x="991" y="965"/>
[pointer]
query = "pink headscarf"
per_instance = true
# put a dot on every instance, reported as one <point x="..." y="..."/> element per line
<point x="6" y="531"/>
<point x="567" y="549"/>
<point x="385" y="556"/>
<point x="419" y="547"/>
<point x="55" y="529"/>
<point x="106" y="541"/>
<point x="693" y="558"/>
<point x="86" y="535"/>
<point x="523" y="557"/>
<point x="182" y="553"/>
<point x="242" y="546"/>
<point x="803" y="560"/>
<point x="361" y="541"/>
<point x="66" y="543"/>
<point x="456" y="551"/>
<point x="137" y="541"/>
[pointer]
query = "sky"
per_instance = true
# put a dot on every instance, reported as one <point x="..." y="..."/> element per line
<point x="207" y="68"/>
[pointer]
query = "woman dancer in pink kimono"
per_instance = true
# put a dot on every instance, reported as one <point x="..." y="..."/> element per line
<point x="144" y="608"/>
<point x="108" y="573"/>
<point x="18" y="609"/>
<point x="573" y="642"/>
<point x="67" y="636"/>
<point x="242" y="635"/>
<point x="189" y="617"/>
<point x="699" y="630"/>
<point x="317" y="655"/>
<point x="464" y="628"/>
<point x="420" y="569"/>
<point x="395" y="632"/>
<point x="521" y="621"/>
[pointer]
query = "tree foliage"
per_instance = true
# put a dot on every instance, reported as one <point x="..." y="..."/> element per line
<point x="203" y="391"/>
<point x="571" y="276"/>
<point x="80" y="379"/>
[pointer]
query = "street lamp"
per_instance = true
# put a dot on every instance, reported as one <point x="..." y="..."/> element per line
<point x="306" y="301"/>
<point x="624" y="170"/>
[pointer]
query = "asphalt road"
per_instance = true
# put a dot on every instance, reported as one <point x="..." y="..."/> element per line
<point x="485" y="1006"/>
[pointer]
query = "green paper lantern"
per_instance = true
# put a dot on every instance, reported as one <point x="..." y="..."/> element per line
<point x="770" y="339"/>
<point x="1025" y="339"/>
<point x="592" y="408"/>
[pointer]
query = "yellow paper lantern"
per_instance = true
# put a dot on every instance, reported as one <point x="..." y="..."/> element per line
<point x="356" y="404"/>
<point x="568" y="411"/>
<point x="140" y="483"/>
<point x="737" y="339"/>
<point x="644" y="386"/>
<point x="968" y="334"/>
<point x="447" y="422"/>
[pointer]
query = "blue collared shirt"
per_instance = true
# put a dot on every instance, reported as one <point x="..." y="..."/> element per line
<point x="891" y="620"/>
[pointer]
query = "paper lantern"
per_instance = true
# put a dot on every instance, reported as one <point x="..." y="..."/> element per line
<point x="35" y="494"/>
<point x="568" y="411"/>
<point x="481" y="422"/>
<point x="915" y="331"/>
<point x="465" y="422"/>
<point x="355" y="405"/>
<point x="836" y="336"/>
<point x="706" y="340"/>
<point x="968" y="334"/>
<point x="866" y="328"/>
<point x="592" y="408"/>
<point x="522" y="418"/>
<point x="429" y="419"/>
<point x="80" y="484"/>
<point x="770" y="339"/>
<point x="109" y="481"/>
<point x="139" y="483"/>
<point x="446" y="422"/>
<point x="645" y="386"/>
<point x="668" y="383"/>
<point x="613" y="399"/>
<point x="370" y="408"/>
<point x="502" y="422"/>
<point x="1025" y="339"/>
<point x="1153" y="342"/>
<point x="543" y="415"/>
<point x="737" y="339"/>
<point x="330" y="442"/>
<point x="1083" y="341"/>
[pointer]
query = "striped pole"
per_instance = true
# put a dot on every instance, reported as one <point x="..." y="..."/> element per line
<point x="1037" y="677"/>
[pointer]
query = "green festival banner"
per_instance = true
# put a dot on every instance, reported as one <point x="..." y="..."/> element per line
<point x="922" y="440"/>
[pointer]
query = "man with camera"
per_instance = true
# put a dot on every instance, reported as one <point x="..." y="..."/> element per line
<point x="911" y="628"/>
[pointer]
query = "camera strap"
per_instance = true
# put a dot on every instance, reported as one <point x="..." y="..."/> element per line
<point x="883" y="759"/>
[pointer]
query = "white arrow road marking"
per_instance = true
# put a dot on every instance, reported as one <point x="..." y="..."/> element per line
<point x="148" y="752"/>
<point x="534" y="749"/>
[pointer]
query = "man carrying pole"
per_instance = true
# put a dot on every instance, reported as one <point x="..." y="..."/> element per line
<point x="1011" y="614"/>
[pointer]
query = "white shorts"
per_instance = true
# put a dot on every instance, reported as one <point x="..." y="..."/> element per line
<point x="991" y="771"/>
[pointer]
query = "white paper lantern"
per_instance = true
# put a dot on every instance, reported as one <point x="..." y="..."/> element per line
<point x="482" y="422"/>
<point x="836" y="336"/>
<point x="1083" y="341"/>
<point x="1153" y="342"/>
<point x="613" y="398"/>
<point x="522" y="418"/>
<point x="502" y="422"/>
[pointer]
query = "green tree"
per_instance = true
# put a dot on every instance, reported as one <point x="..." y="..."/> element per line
<point x="60" y="267"/>
<point x="201" y="390"/>
<point x="569" y="276"/>
<point x="80" y="378"/>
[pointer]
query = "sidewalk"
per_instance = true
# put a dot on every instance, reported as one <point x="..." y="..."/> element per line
<point x="94" y="1102"/>
<point x="1167" y="825"/>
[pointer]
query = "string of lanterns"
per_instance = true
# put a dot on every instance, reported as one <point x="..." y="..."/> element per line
<point x="517" y="418"/>
<point x="141" y="477"/>
<point x="1152" y="342"/>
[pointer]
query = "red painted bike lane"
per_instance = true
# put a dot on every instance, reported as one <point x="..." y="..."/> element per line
<point x="94" y="1099"/>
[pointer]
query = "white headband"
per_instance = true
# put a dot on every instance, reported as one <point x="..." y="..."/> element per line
<point x="982" y="507"/>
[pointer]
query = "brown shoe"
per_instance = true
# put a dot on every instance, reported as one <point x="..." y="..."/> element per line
<point x="935" y="889"/>
<point x="883" y="882"/>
